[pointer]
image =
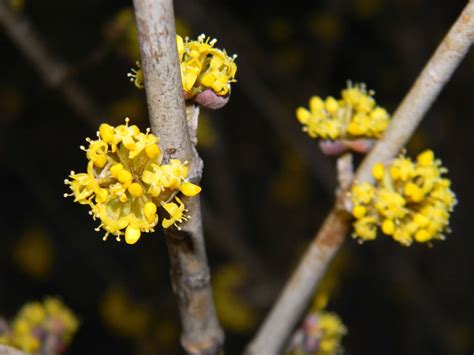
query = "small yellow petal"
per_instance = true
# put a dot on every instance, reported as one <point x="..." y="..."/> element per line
<point x="190" y="189"/>
<point x="115" y="169"/>
<point x="132" y="235"/>
<point x="149" y="210"/>
<point x="135" y="189"/>
<point x="208" y="79"/>
<point x="378" y="171"/>
<point x="100" y="161"/>
<point x="303" y="115"/>
<point x="359" y="211"/>
<point x="331" y="105"/>
<point x="316" y="104"/>
<point x="129" y="143"/>
<point x="426" y="158"/>
<point x="414" y="192"/>
<point x="422" y="236"/>
<point x="124" y="176"/>
<point x="388" y="227"/>
<point x="167" y="223"/>
<point x="152" y="151"/>
<point x="106" y="132"/>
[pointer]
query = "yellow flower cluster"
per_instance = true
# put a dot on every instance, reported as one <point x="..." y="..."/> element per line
<point x="354" y="116"/>
<point x="202" y="67"/>
<point x="126" y="182"/>
<point x="205" y="67"/>
<point x="410" y="201"/>
<point x="332" y="330"/>
<point x="321" y="334"/>
<point x="37" y="321"/>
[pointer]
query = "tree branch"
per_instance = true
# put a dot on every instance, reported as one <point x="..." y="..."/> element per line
<point x="297" y="292"/>
<point x="53" y="71"/>
<point x="424" y="92"/>
<point x="6" y="350"/>
<point x="189" y="270"/>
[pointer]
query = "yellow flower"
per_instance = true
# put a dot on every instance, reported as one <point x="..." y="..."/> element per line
<point x="126" y="181"/>
<point x="332" y="330"/>
<point x="176" y="212"/>
<point x="136" y="76"/>
<point x="354" y="116"/>
<point x="320" y="334"/>
<point x="36" y="321"/>
<point x="202" y="67"/>
<point x="410" y="201"/>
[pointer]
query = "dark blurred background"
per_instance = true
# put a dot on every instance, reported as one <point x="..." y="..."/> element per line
<point x="266" y="187"/>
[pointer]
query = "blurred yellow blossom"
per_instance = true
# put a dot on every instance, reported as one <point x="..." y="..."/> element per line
<point x="37" y="322"/>
<point x="330" y="282"/>
<point x="11" y="101"/>
<point x="123" y="315"/>
<point x="288" y="59"/>
<point x="320" y="334"/>
<point x="121" y="32"/>
<point x="354" y="116"/>
<point x="34" y="252"/>
<point x="283" y="188"/>
<point x="206" y="132"/>
<point x="279" y="29"/>
<point x="128" y="106"/>
<point x="126" y="182"/>
<point x="233" y="311"/>
<point x="410" y="201"/>
<point x="325" y="26"/>
<point x="17" y="5"/>
<point x="367" y="8"/>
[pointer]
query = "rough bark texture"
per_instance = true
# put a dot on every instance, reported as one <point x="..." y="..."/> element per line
<point x="201" y="333"/>
<point x="297" y="292"/>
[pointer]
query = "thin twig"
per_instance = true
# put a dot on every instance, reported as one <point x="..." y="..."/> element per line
<point x="201" y="332"/>
<point x="295" y="296"/>
<point x="345" y="170"/>
<point x="53" y="71"/>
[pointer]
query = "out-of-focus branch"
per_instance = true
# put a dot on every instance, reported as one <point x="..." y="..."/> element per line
<point x="52" y="71"/>
<point x="6" y="350"/>
<point x="424" y="92"/>
<point x="254" y="88"/>
<point x="296" y="294"/>
<point x="201" y="332"/>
